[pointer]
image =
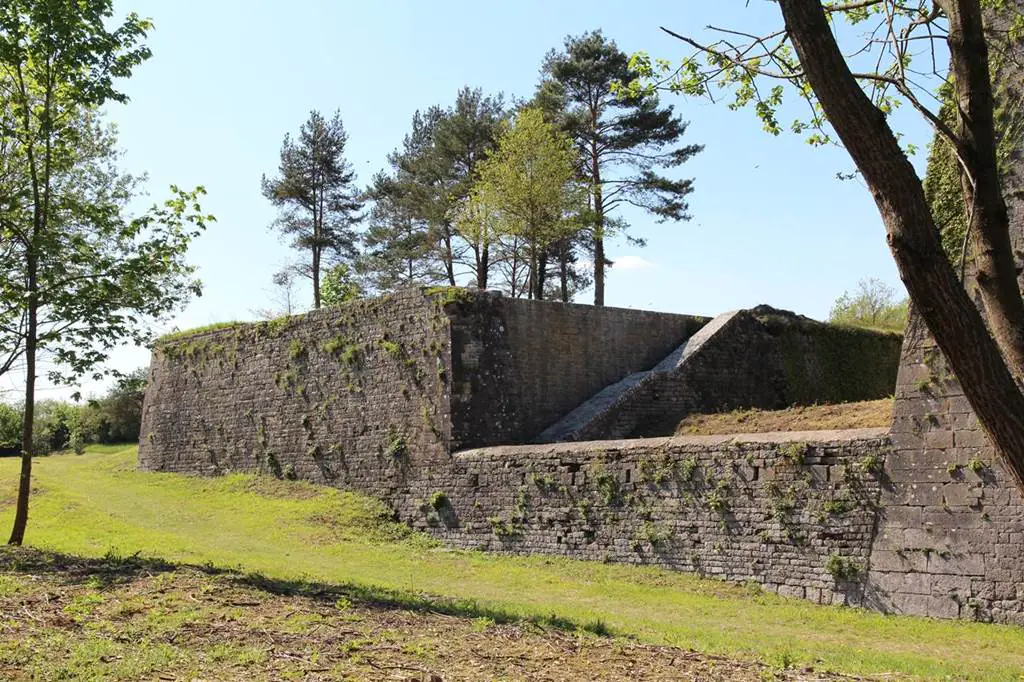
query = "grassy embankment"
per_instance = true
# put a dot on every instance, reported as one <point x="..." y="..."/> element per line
<point x="97" y="504"/>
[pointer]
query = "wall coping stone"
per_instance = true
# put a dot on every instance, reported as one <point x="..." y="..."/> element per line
<point x="589" y="448"/>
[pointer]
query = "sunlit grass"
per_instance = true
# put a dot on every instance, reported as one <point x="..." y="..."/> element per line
<point x="95" y="503"/>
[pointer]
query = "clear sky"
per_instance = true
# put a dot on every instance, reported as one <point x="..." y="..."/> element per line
<point x="771" y="223"/>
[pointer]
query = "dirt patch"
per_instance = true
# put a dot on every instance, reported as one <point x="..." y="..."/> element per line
<point x="124" y="619"/>
<point x="860" y="415"/>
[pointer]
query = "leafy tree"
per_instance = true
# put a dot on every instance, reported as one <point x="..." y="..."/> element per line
<point x="410" y="230"/>
<point x="114" y="418"/>
<point x="623" y="142"/>
<point x="77" y="276"/>
<point x="850" y="99"/>
<point x="529" y="183"/>
<point x="398" y="245"/>
<point x="341" y="285"/>
<point x="874" y="305"/>
<point x="463" y="138"/>
<point x="316" y="194"/>
<point x="10" y="428"/>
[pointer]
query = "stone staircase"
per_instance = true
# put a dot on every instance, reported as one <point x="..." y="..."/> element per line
<point x="588" y="421"/>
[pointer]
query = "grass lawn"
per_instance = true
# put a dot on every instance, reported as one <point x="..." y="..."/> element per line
<point x="97" y="504"/>
<point x="859" y="415"/>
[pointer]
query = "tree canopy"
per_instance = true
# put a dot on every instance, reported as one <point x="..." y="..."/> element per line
<point x="850" y="92"/>
<point x="873" y="305"/>
<point x="77" y="274"/>
<point x="624" y="143"/>
<point x="528" y="190"/>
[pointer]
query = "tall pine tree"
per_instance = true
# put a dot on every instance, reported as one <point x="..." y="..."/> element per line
<point x="623" y="142"/>
<point x="428" y="192"/>
<point x="316" y="196"/>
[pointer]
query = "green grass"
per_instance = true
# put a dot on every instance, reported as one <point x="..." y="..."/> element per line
<point x="294" y="531"/>
<point x="186" y="333"/>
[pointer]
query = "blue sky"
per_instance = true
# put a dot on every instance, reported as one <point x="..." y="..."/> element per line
<point x="771" y="223"/>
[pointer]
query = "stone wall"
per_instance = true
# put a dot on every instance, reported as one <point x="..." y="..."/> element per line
<point x="763" y="358"/>
<point x="826" y="363"/>
<point x="375" y="395"/>
<point x="354" y="396"/>
<point x="326" y="395"/>
<point x="522" y="365"/>
<point x="793" y="512"/>
<point x="951" y="528"/>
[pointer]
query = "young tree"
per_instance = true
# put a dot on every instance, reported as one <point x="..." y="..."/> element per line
<point x="529" y="181"/>
<point x="874" y="305"/>
<point x="852" y="97"/>
<point x="316" y="194"/>
<point x="341" y="285"/>
<point x="76" y="276"/>
<point x="623" y="142"/>
<point x="282" y="295"/>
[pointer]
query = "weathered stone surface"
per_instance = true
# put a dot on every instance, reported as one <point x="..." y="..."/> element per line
<point x="675" y="502"/>
<point x="377" y="395"/>
<point x="950" y="512"/>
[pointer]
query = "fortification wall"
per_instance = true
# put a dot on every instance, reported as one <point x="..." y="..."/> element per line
<point x="793" y="512"/>
<point x="364" y="397"/>
<point x="354" y="396"/>
<point x="951" y="529"/>
<point x="762" y="358"/>
<point x="522" y="365"/>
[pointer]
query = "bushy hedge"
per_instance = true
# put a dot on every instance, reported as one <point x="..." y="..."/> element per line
<point x="59" y="425"/>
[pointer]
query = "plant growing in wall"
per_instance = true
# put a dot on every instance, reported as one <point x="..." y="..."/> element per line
<point x="842" y="569"/>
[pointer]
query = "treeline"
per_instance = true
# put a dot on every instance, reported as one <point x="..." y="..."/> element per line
<point x="519" y="196"/>
<point x="61" y="425"/>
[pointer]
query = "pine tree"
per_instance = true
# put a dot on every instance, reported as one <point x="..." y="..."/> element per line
<point x="316" y="195"/>
<point x="428" y="192"/>
<point x="623" y="142"/>
<point x="398" y="248"/>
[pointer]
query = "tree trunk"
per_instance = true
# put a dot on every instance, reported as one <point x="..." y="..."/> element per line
<point x="316" y="277"/>
<point x="996" y="270"/>
<point x="934" y="288"/>
<point x="532" y="281"/>
<point x="28" y="419"/>
<point x="449" y="255"/>
<point x="563" y="269"/>
<point x="482" y="266"/>
<point x="598" y="231"/>
<point x="542" y="272"/>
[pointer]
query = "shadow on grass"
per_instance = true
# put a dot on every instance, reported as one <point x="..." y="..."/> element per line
<point x="114" y="569"/>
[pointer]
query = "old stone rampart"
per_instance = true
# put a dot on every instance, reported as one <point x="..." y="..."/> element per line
<point x="384" y="396"/>
<point x="951" y="523"/>
<point x="794" y="512"/>
<point x="355" y="396"/>
<point x="522" y="365"/>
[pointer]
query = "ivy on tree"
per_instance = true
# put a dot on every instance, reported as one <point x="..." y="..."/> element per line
<point x="77" y="275"/>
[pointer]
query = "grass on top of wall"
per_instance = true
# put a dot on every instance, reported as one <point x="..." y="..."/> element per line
<point x="98" y="504"/>
<point x="857" y="415"/>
